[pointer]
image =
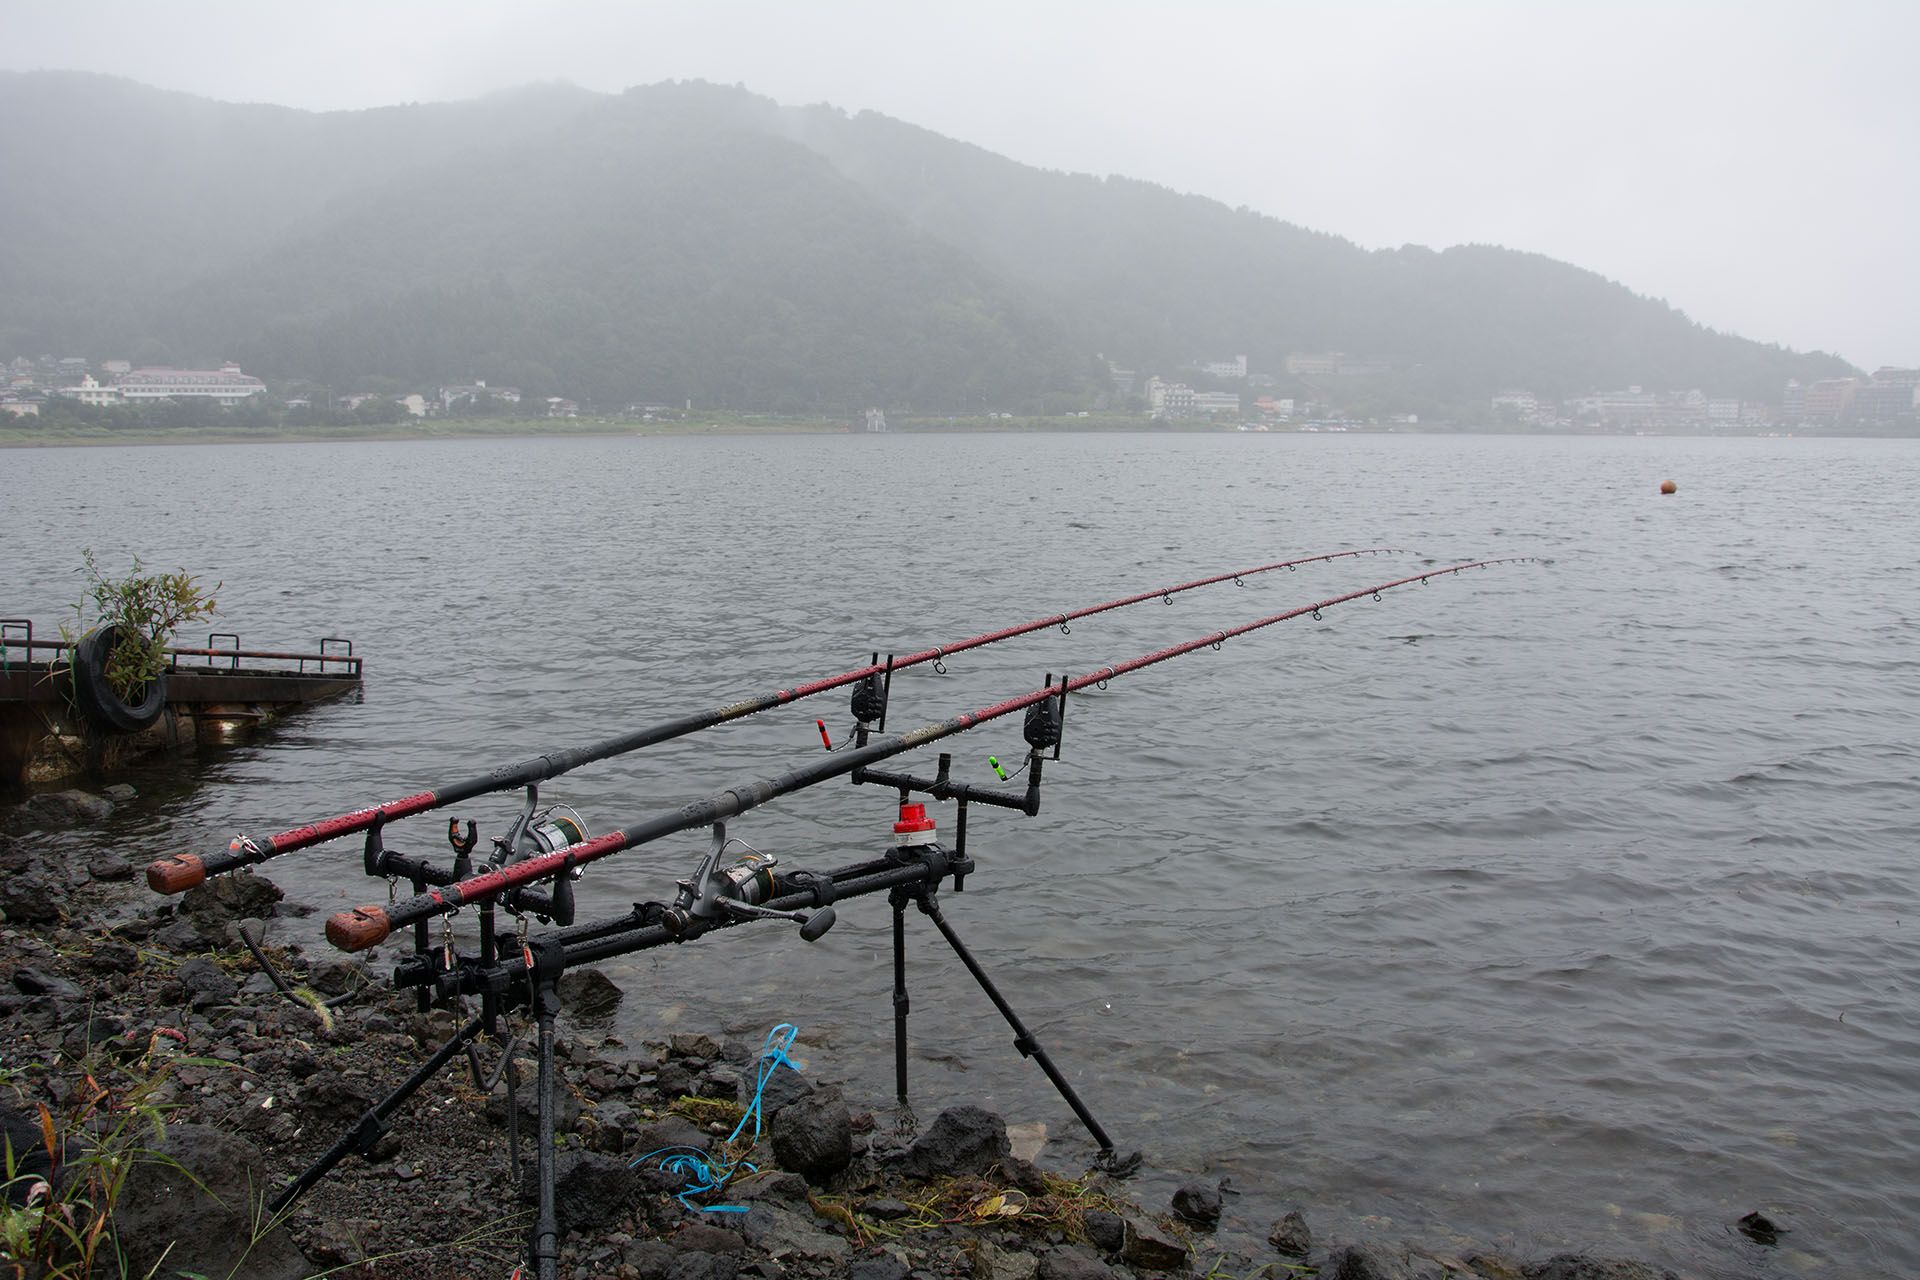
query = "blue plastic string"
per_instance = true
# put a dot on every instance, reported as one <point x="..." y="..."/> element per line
<point x="705" y="1176"/>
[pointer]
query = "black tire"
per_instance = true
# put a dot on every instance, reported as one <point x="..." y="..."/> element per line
<point x="97" y="699"/>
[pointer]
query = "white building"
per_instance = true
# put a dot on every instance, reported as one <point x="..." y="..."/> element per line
<point x="1169" y="399"/>
<point x="1214" y="402"/>
<point x="90" y="392"/>
<point x="1234" y="368"/>
<point x="227" y="385"/>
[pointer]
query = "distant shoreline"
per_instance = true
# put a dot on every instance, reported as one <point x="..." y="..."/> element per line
<point x="18" y="437"/>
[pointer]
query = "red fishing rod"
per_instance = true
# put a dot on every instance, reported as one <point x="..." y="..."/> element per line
<point x="368" y="926"/>
<point x="187" y="870"/>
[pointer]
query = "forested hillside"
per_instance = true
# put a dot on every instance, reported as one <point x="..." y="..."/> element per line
<point x="687" y="240"/>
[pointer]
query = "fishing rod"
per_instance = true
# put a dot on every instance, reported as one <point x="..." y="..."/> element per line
<point x="368" y="926"/>
<point x="188" y="870"/>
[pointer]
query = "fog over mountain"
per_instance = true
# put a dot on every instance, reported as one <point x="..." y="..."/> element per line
<point x="686" y="240"/>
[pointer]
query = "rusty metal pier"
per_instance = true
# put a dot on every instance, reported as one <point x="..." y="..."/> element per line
<point x="214" y="694"/>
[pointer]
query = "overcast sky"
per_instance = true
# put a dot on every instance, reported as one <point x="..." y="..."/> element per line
<point x="1755" y="164"/>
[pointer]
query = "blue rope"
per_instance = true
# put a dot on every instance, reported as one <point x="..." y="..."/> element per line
<point x="704" y="1176"/>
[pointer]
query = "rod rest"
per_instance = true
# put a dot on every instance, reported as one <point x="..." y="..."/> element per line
<point x="942" y="787"/>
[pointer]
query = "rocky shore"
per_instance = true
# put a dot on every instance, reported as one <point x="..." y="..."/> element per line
<point x="150" y="1064"/>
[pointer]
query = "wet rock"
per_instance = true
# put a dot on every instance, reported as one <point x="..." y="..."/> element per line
<point x="878" y="1266"/>
<point x="198" y="1204"/>
<point x="670" y="1131"/>
<point x="1107" y="1231"/>
<point x="673" y="1080"/>
<point x="566" y="1107"/>
<point x="331" y="976"/>
<point x="782" y="1233"/>
<point x="119" y="792"/>
<point x="708" y="1238"/>
<point x="1023" y="1175"/>
<point x="721" y="1082"/>
<point x="611" y="1123"/>
<point x="814" y="1136"/>
<point x="109" y="866"/>
<point x="1198" y="1203"/>
<point x="693" y="1045"/>
<point x="992" y="1262"/>
<point x="20" y="1132"/>
<point x="96" y="1031"/>
<point x="225" y="899"/>
<point x="961" y="1140"/>
<point x="113" y="957"/>
<point x="1291" y="1236"/>
<point x="1070" y="1263"/>
<point x="206" y="984"/>
<point x="650" y="1259"/>
<point x="1759" y="1228"/>
<point x="1148" y="1248"/>
<point x="1578" y="1266"/>
<point x="335" y="1101"/>
<point x="59" y="811"/>
<point x="589" y="994"/>
<point x="590" y="1191"/>
<point x="180" y="935"/>
<point x="773" y="1187"/>
<point x="695" y="1264"/>
<point x="30" y="898"/>
<point x="1365" y="1262"/>
<point x="38" y="982"/>
<point x="784" y="1086"/>
<point x="886" y="1209"/>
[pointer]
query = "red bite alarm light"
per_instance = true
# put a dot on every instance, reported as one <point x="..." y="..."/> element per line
<point x="914" y="828"/>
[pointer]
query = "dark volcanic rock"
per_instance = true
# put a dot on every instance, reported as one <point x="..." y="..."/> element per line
<point x="566" y="1107"/>
<point x="1578" y="1266"/>
<point x="961" y="1140"/>
<point x="814" y="1136"/>
<point x="784" y="1086"/>
<point x="1198" y="1203"/>
<point x="708" y="1238"/>
<point x="1069" y="1263"/>
<point x="1148" y="1248"/>
<point x="225" y="899"/>
<point x="1365" y="1262"/>
<point x="38" y="982"/>
<point x="59" y="811"/>
<point x="1108" y="1231"/>
<point x="589" y="994"/>
<point x="695" y="1264"/>
<point x="673" y="1080"/>
<point x="28" y="897"/>
<point x="201" y="1199"/>
<point x="878" y="1266"/>
<point x="1291" y="1236"/>
<point x="207" y="985"/>
<point x="693" y="1045"/>
<point x="110" y="866"/>
<point x="590" y="1191"/>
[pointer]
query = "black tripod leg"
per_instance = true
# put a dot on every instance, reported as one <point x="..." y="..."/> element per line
<point x="899" y="900"/>
<point x="1023" y="1039"/>
<point x="548" y="961"/>
<point x="371" y="1125"/>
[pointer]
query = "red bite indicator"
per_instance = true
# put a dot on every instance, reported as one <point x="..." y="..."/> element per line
<point x="914" y="828"/>
<point x="825" y="741"/>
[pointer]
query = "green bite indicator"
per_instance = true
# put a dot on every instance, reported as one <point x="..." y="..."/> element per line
<point x="995" y="762"/>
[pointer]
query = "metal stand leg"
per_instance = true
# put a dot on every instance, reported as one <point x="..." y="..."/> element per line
<point x="899" y="900"/>
<point x="372" y="1125"/>
<point x="1023" y="1039"/>
<point x="548" y="961"/>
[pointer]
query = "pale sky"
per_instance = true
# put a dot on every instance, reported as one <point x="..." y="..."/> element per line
<point x="1754" y="163"/>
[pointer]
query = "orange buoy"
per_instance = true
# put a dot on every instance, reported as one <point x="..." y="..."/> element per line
<point x="1668" y="486"/>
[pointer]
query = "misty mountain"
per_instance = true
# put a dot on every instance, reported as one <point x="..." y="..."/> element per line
<point x="689" y="240"/>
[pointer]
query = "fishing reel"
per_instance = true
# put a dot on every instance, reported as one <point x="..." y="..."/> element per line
<point x="715" y="893"/>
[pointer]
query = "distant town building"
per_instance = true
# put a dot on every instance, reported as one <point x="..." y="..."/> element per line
<point x="1169" y="399"/>
<point x="227" y="385"/>
<point x="1216" y="402"/>
<point x="19" y="406"/>
<point x="477" y="393"/>
<point x="1269" y="407"/>
<point x="116" y="366"/>
<point x="876" y="421"/>
<point x="91" y="392"/>
<point x="415" y="404"/>
<point x="1234" y="368"/>
<point x="560" y="407"/>
<point x="1311" y="363"/>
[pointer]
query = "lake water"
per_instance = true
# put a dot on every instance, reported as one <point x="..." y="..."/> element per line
<point x="1562" y="905"/>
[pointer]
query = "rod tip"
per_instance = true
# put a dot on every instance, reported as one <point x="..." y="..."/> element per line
<point x="177" y="874"/>
<point x="358" y="929"/>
